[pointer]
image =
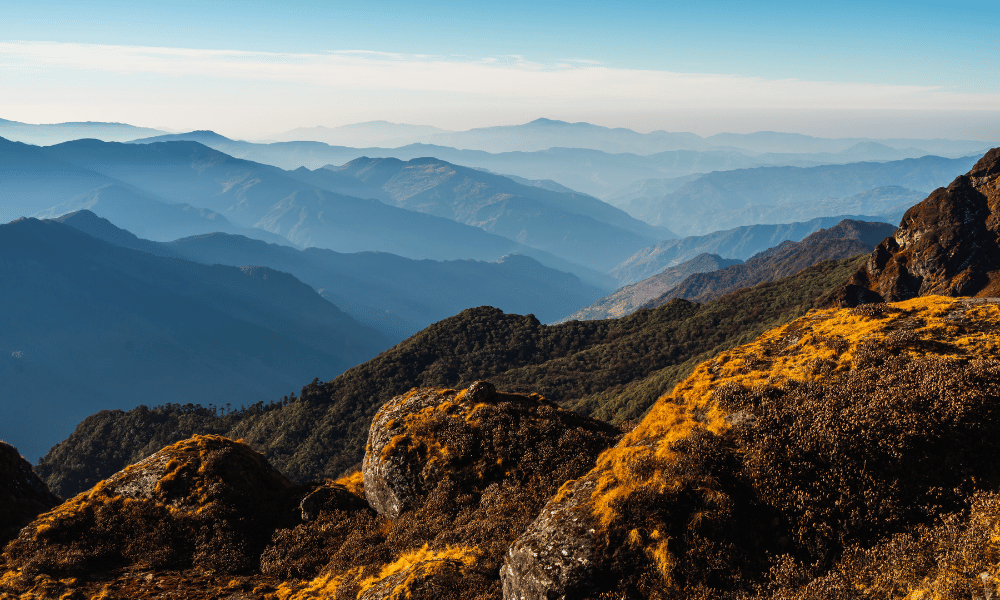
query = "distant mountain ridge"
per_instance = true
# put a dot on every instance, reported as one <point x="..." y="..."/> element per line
<point x="630" y="297"/>
<point x="89" y="325"/>
<point x="717" y="200"/>
<point x="600" y="173"/>
<point x="55" y="133"/>
<point x="739" y="242"/>
<point x="395" y="295"/>
<point x="846" y="239"/>
<point x="543" y="134"/>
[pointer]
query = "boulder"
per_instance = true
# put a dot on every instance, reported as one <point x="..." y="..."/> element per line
<point x="207" y="501"/>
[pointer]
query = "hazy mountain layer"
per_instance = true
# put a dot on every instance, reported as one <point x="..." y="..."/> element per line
<point x="844" y="240"/>
<point x="396" y="295"/>
<point x="89" y="326"/>
<point x="627" y="299"/>
<point x="149" y="218"/>
<point x="542" y="134"/>
<point x="595" y="172"/>
<point x="740" y="243"/>
<point x="573" y="226"/>
<point x="612" y="369"/>
<point x="717" y="200"/>
<point x="56" y="133"/>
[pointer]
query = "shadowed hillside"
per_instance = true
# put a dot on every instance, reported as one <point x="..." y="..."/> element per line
<point x="613" y="369"/>
<point x="88" y="325"/>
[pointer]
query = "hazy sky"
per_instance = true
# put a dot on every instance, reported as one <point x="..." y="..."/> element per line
<point x="249" y="69"/>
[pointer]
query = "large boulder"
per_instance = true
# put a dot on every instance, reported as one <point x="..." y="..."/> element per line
<point x="208" y="502"/>
<point x="472" y="438"/>
<point x="23" y="495"/>
<point x="452" y="478"/>
<point x="948" y="244"/>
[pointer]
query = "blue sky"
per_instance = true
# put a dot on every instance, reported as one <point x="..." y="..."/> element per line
<point x="946" y="49"/>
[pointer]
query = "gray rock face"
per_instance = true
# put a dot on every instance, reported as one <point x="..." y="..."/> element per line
<point x="393" y="478"/>
<point x="553" y="559"/>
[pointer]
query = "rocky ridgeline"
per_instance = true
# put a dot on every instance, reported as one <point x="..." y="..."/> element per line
<point x="946" y="245"/>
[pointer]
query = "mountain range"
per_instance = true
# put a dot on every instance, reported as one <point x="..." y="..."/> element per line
<point x="723" y="199"/>
<point x="844" y="240"/>
<point x="542" y="134"/>
<point x="396" y="295"/>
<point x="738" y="243"/>
<point x="829" y="434"/>
<point x="89" y="325"/>
<point x="599" y="173"/>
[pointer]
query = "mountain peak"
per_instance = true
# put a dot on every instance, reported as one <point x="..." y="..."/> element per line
<point x="946" y="245"/>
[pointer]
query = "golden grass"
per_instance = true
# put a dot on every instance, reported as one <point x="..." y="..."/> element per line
<point x="790" y="352"/>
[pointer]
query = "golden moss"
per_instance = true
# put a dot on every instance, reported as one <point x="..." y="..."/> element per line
<point x="821" y="344"/>
<point x="464" y="556"/>
<point x="355" y="483"/>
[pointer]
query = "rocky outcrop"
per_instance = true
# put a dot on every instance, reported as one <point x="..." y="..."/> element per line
<point x="473" y="437"/>
<point x="554" y="558"/>
<point x="809" y="464"/>
<point x="948" y="245"/>
<point x="23" y="495"/>
<point x="207" y="502"/>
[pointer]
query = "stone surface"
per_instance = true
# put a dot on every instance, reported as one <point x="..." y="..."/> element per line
<point x="207" y="502"/>
<point x="554" y="558"/>
<point x="946" y="245"/>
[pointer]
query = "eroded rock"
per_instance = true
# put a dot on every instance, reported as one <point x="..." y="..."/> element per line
<point x="948" y="244"/>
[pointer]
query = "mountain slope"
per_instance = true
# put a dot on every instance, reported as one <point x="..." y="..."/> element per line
<point x="844" y="240"/>
<point x="612" y="369"/>
<point x="89" y="325"/>
<point x="395" y="295"/>
<point x="631" y="297"/>
<point x="152" y="219"/>
<point x="573" y="226"/>
<point x="739" y="242"/>
<point x="255" y="195"/>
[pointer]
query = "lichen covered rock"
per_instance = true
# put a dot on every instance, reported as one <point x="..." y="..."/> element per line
<point x="23" y="495"/>
<point x="790" y="467"/>
<point x="471" y="437"/>
<point x="455" y="476"/>
<point x="208" y="502"/>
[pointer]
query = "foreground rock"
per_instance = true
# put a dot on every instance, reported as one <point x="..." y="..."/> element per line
<point x="23" y="496"/>
<point x="946" y="245"/>
<point x="206" y="502"/>
<point x="847" y="454"/>
<point x="452" y="478"/>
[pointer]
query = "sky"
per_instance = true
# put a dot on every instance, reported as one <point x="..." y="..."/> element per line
<point x="252" y="69"/>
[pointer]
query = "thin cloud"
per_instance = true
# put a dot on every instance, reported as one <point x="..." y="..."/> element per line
<point x="511" y="77"/>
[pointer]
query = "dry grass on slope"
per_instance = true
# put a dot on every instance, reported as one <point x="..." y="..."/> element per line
<point x="815" y="461"/>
